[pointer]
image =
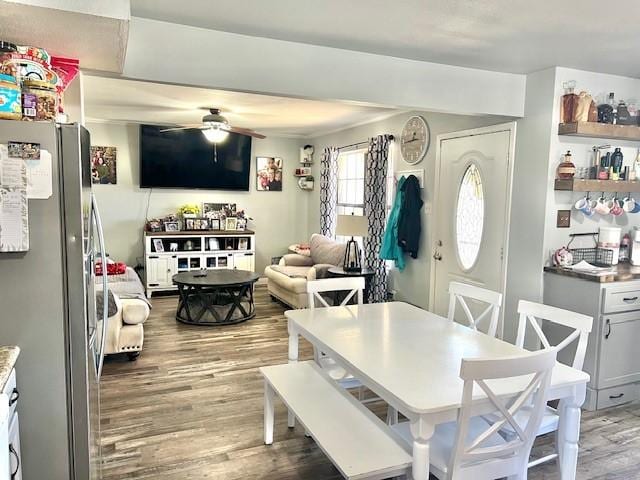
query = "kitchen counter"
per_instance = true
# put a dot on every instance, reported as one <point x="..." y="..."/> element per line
<point x="8" y="358"/>
<point x="622" y="272"/>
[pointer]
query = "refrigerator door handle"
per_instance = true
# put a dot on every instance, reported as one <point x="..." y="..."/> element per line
<point x="105" y="289"/>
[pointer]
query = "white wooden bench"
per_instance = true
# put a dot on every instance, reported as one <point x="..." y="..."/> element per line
<point x="357" y="442"/>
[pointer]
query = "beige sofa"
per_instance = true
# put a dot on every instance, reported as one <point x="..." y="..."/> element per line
<point x="287" y="281"/>
<point x="125" y="333"/>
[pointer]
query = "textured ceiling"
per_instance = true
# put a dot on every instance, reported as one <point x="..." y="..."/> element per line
<point x="517" y="36"/>
<point x="121" y="100"/>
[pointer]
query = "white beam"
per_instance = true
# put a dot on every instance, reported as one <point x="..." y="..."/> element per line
<point x="172" y="53"/>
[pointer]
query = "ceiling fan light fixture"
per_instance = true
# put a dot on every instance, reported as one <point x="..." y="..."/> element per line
<point x="215" y="135"/>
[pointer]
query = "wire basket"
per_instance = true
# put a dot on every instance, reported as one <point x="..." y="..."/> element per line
<point x="597" y="256"/>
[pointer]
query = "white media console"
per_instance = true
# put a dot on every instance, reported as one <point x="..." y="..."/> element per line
<point x="168" y="253"/>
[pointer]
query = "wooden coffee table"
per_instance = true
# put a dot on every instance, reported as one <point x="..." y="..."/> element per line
<point x="215" y="297"/>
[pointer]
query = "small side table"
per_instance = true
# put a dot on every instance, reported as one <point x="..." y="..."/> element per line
<point x="367" y="273"/>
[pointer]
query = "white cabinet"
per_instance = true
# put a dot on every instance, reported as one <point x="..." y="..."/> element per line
<point x="612" y="358"/>
<point x="168" y="253"/>
<point x="160" y="270"/>
<point x="244" y="261"/>
<point x="10" y="458"/>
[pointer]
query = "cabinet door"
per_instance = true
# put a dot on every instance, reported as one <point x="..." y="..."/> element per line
<point x="161" y="270"/>
<point x="244" y="261"/>
<point x="15" y="457"/>
<point x="619" y="359"/>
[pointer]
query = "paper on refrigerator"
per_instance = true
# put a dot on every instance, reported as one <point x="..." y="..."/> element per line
<point x="14" y="208"/>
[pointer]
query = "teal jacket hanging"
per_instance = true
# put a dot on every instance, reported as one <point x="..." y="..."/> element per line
<point x="390" y="250"/>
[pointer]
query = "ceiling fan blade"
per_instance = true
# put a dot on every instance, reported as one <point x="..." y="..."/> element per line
<point x="186" y="127"/>
<point x="243" y="131"/>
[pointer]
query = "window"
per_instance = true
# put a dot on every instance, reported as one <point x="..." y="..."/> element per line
<point x="351" y="182"/>
<point x="351" y="186"/>
<point x="469" y="217"/>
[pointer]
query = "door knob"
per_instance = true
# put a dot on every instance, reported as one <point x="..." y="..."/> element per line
<point x="437" y="256"/>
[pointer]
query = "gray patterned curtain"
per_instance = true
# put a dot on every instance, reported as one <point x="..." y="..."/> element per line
<point x="328" y="191"/>
<point x="375" y="209"/>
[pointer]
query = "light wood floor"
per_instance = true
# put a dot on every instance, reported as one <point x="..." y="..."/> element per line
<point x="191" y="408"/>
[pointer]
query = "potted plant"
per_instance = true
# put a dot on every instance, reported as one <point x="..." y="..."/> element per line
<point x="189" y="210"/>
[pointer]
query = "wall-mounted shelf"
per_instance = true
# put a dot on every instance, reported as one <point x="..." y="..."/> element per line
<point x="584" y="185"/>
<point x="600" y="130"/>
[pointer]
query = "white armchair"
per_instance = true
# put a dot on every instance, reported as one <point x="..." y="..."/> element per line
<point x="125" y="333"/>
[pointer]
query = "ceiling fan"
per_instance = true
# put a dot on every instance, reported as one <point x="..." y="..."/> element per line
<point x="216" y="128"/>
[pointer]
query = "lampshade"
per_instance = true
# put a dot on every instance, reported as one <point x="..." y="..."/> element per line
<point x="215" y="135"/>
<point x="352" y="226"/>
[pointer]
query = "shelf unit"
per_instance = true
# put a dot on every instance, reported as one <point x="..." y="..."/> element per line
<point x="585" y="185"/>
<point x="207" y="250"/>
<point x="600" y="130"/>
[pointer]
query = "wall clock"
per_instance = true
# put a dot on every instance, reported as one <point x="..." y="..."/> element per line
<point x="415" y="140"/>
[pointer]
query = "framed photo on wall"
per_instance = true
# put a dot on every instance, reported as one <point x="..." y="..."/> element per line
<point x="269" y="174"/>
<point x="103" y="165"/>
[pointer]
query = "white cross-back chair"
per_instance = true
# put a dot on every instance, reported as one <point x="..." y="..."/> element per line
<point x="533" y="314"/>
<point x="471" y="447"/>
<point x="355" y="288"/>
<point x="458" y="295"/>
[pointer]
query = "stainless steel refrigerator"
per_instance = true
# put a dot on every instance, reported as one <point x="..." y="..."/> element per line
<point x="48" y="307"/>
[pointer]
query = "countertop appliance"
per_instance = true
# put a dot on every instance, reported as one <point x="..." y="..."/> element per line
<point x="634" y="257"/>
<point x="48" y="307"/>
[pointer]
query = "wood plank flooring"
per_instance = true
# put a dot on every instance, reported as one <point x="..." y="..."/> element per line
<point x="191" y="408"/>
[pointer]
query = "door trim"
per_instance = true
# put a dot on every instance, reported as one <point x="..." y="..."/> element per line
<point x="501" y="127"/>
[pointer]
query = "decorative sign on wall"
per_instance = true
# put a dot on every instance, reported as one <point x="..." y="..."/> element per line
<point x="269" y="174"/>
<point x="14" y="209"/>
<point x="103" y="165"/>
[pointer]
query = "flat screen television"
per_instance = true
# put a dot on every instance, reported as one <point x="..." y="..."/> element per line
<point x="185" y="159"/>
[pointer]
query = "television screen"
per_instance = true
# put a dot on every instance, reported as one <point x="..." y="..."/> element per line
<point x="185" y="159"/>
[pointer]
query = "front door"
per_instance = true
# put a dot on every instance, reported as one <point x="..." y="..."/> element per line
<point x="471" y="212"/>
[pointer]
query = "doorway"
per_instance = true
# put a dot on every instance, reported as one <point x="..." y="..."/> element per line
<point x="471" y="211"/>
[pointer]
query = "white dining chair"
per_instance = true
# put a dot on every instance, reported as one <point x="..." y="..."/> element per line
<point x="533" y="314"/>
<point x="459" y="293"/>
<point x="471" y="447"/>
<point x="355" y="288"/>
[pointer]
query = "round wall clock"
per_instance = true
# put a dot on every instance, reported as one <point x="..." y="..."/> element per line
<point x="415" y="140"/>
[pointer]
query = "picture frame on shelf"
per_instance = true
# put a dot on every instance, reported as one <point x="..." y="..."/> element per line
<point x="214" y="223"/>
<point x="171" y="227"/>
<point x="231" y="223"/>
<point x="196" y="224"/>
<point x="214" y="244"/>
<point x="243" y="243"/>
<point x="241" y="224"/>
<point x="218" y="210"/>
<point x="158" y="246"/>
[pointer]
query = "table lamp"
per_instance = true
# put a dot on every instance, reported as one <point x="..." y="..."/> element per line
<point x="352" y="226"/>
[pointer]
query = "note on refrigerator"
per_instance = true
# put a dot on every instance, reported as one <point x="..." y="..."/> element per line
<point x="12" y="170"/>
<point x="14" y="220"/>
<point x="39" y="176"/>
<point x="14" y="207"/>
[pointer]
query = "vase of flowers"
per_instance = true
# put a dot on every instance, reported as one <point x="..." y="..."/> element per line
<point x="189" y="210"/>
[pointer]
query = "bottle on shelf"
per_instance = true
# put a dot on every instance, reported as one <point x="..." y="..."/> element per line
<point x="566" y="169"/>
<point x="569" y="102"/>
<point x="607" y="110"/>
<point x="605" y="165"/>
<point x="623" y="117"/>
<point x="616" y="163"/>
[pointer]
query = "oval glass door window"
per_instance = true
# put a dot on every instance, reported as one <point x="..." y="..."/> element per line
<point x="469" y="217"/>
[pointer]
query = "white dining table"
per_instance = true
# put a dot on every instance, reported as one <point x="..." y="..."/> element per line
<point x="411" y="359"/>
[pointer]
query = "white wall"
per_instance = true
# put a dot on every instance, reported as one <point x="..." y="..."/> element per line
<point x="411" y="285"/>
<point x="279" y="216"/>
<point x="240" y="62"/>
